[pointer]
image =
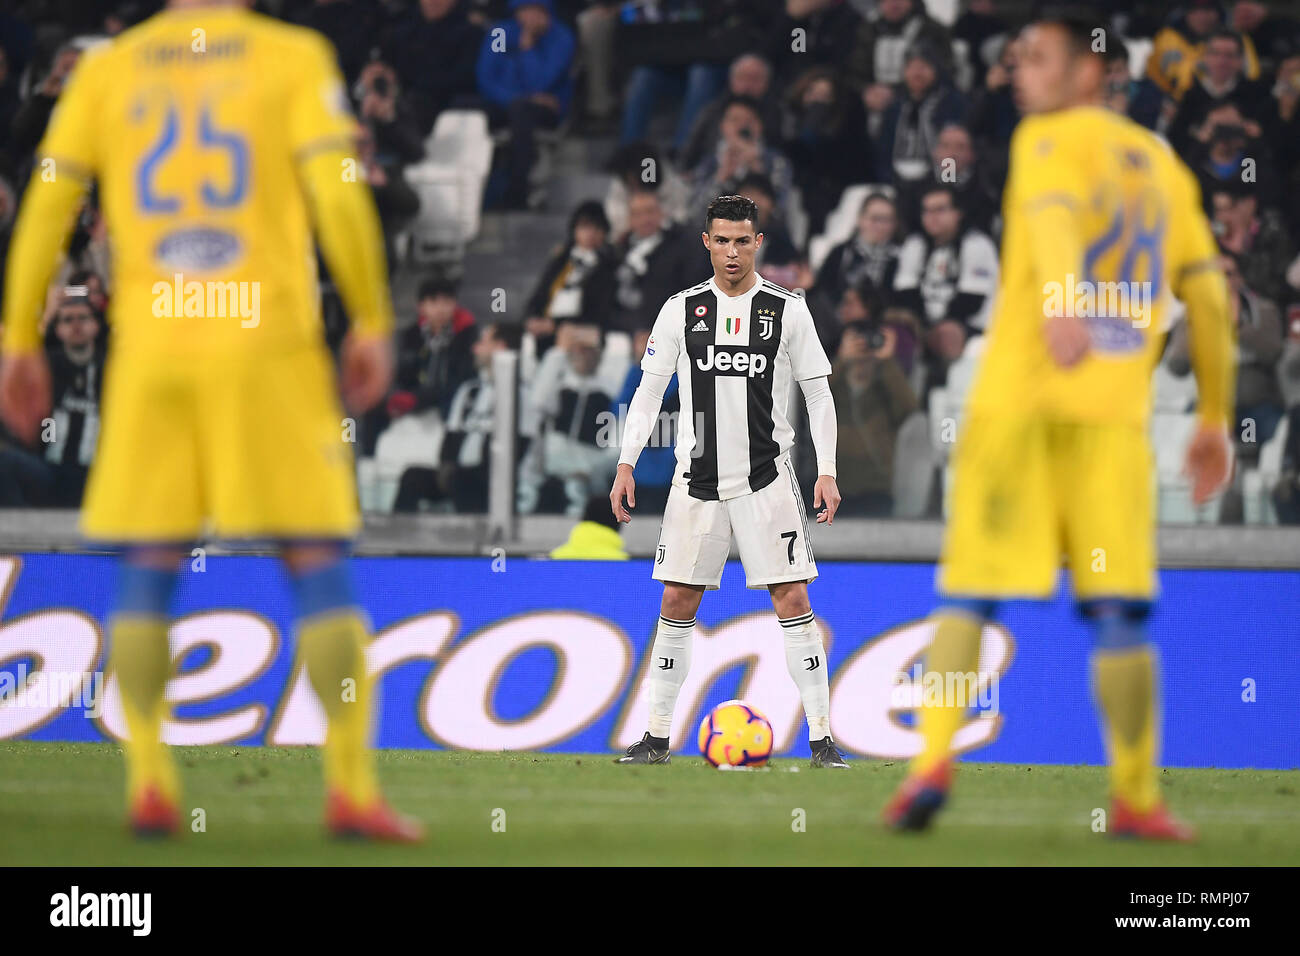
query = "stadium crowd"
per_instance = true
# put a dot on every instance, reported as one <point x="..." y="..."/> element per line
<point x="872" y="137"/>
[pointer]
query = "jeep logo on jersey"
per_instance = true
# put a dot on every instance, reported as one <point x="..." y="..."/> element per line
<point x="732" y="362"/>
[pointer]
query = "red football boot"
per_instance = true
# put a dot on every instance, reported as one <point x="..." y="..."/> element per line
<point x="378" y="822"/>
<point x="152" y="814"/>
<point x="919" y="798"/>
<point x="1154" y="824"/>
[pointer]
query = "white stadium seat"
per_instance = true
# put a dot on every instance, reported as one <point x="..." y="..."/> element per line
<point x="450" y="182"/>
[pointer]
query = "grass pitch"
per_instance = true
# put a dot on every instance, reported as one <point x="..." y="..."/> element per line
<point x="62" y="804"/>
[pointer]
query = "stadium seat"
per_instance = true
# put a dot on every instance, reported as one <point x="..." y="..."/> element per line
<point x="450" y="183"/>
<point x="1139" y="51"/>
<point x="411" y="440"/>
<point x="1257" y="483"/>
<point x="1172" y="393"/>
<point x="914" y="467"/>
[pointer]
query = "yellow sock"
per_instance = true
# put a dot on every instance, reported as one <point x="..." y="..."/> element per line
<point x="955" y="649"/>
<point x="141" y="659"/>
<point x="333" y="647"/>
<point x="1124" y="682"/>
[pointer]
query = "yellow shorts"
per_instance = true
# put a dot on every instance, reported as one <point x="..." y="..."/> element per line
<point x="1026" y="494"/>
<point x="228" y="447"/>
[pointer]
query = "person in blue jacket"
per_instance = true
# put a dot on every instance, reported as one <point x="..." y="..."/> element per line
<point x="525" y="76"/>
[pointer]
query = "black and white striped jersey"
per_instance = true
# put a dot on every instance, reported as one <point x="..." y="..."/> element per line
<point x="736" y="359"/>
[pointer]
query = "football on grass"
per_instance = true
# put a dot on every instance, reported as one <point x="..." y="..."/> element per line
<point x="735" y="735"/>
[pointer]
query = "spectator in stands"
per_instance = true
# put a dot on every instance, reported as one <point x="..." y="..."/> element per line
<point x="1225" y="150"/>
<point x="875" y="65"/>
<point x="9" y="98"/>
<point x="577" y="452"/>
<point x="778" y="257"/>
<point x="76" y="347"/>
<point x="1259" y="347"/>
<point x="524" y="75"/>
<point x="54" y="475"/>
<point x="824" y="135"/>
<point x="685" y="57"/>
<point x="1220" y="82"/>
<point x="33" y="115"/>
<point x="1179" y="47"/>
<point x="656" y="259"/>
<point x="350" y="25"/>
<point x="984" y="34"/>
<point x="579" y="281"/>
<point x="909" y="127"/>
<point x="435" y="354"/>
<point x="1286" y="90"/>
<point x="597" y="29"/>
<point x="829" y="28"/>
<point x="993" y="110"/>
<point x="750" y="77"/>
<point x="465" y="456"/>
<point x="396" y="133"/>
<point x="1140" y="100"/>
<point x="1286" y="493"/>
<point x="1256" y="237"/>
<point x="947" y="273"/>
<point x="396" y="201"/>
<point x="872" y="398"/>
<point x="93" y="283"/>
<point x="954" y="161"/>
<point x="434" y="48"/>
<point x="654" y="469"/>
<point x="597" y="537"/>
<point x="865" y="306"/>
<point x="1274" y="36"/>
<point x="871" y="253"/>
<point x="637" y="166"/>
<point x="743" y="148"/>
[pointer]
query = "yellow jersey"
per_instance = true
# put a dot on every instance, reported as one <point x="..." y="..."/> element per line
<point x="196" y="124"/>
<point x="1139" y="227"/>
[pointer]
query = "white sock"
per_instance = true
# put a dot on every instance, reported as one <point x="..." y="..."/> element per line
<point x="806" y="659"/>
<point x="669" y="664"/>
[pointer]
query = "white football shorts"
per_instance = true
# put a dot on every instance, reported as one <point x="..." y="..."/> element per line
<point x="770" y="525"/>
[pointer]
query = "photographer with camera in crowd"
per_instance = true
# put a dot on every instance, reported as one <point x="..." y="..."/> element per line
<point x="872" y="399"/>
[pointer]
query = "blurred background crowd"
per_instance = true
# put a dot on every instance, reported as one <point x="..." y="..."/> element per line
<point x="541" y="169"/>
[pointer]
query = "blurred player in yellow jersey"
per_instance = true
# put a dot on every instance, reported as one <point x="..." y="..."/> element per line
<point x="220" y="141"/>
<point x="1101" y="222"/>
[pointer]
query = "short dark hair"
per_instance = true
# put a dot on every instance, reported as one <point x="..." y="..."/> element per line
<point x="757" y="181"/>
<point x="877" y="195"/>
<point x="509" y="334"/>
<point x="938" y="187"/>
<point x="748" y="102"/>
<point x="1223" y="33"/>
<point x="1116" y="51"/>
<point x="1078" y="22"/>
<point x="436" y="286"/>
<point x="869" y="295"/>
<point x="732" y="209"/>
<point x="591" y="212"/>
